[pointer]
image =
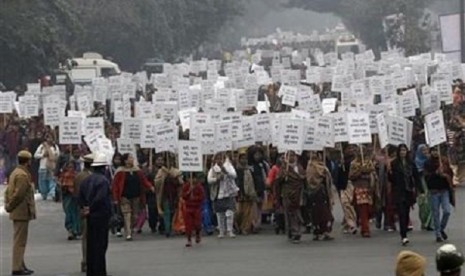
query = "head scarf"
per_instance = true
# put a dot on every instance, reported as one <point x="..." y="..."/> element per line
<point x="410" y="264"/>
<point x="420" y="158"/>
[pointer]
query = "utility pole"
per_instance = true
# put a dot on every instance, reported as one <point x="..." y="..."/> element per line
<point x="462" y="30"/>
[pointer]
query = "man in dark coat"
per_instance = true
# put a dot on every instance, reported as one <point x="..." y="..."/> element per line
<point x="95" y="202"/>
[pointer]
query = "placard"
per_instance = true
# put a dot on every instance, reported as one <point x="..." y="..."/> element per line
<point x="341" y="132"/>
<point x="397" y="130"/>
<point x="94" y="124"/>
<point x="126" y="146"/>
<point x="291" y="135"/>
<point x="329" y="105"/>
<point x="263" y="128"/>
<point x="311" y="141"/>
<point x="289" y="95"/>
<point x="166" y="137"/>
<point x="6" y="104"/>
<point x="435" y="128"/>
<point x="70" y="131"/>
<point x="383" y="135"/>
<point x="92" y="140"/>
<point x="359" y="128"/>
<point x="325" y="131"/>
<point x="132" y="129"/>
<point x="190" y="156"/>
<point x="207" y="137"/>
<point x="248" y="133"/>
<point x="52" y="114"/>
<point x="223" y="134"/>
<point x="147" y="139"/>
<point x="197" y="122"/>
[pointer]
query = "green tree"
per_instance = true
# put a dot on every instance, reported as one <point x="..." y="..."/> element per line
<point x="35" y="36"/>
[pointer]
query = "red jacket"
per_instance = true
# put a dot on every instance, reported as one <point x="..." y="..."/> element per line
<point x="193" y="198"/>
<point x="119" y="181"/>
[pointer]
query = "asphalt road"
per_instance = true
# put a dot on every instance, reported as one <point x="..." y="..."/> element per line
<point x="50" y="254"/>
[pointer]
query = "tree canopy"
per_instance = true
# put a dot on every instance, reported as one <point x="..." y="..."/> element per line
<point x="37" y="35"/>
<point x="365" y="19"/>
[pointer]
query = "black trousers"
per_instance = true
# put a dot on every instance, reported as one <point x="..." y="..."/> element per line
<point x="403" y="211"/>
<point x="97" y="245"/>
<point x="154" y="218"/>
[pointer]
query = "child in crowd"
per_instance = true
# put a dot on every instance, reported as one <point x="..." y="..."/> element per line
<point x="193" y="195"/>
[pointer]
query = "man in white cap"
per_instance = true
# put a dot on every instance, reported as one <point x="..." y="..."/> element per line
<point x="80" y="177"/>
<point x="95" y="202"/>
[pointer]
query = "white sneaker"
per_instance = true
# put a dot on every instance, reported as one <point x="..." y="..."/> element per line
<point x="129" y="238"/>
<point x="231" y="235"/>
<point x="220" y="236"/>
<point x="405" y="241"/>
<point x="119" y="235"/>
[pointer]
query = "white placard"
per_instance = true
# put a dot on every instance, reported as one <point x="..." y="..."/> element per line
<point x="52" y="114"/>
<point x="373" y="111"/>
<point x="126" y="146"/>
<point x="236" y="124"/>
<point x="325" y="131"/>
<point x="223" y="134"/>
<point x="118" y="115"/>
<point x="341" y="132"/>
<point x="291" y="134"/>
<point x="70" y="131"/>
<point x="435" y="128"/>
<point x="144" y="110"/>
<point x="166" y="137"/>
<point x="190" y="156"/>
<point x="329" y="105"/>
<point x="248" y="133"/>
<point x="94" y="124"/>
<point x="383" y="135"/>
<point x="311" y="141"/>
<point x="289" y="94"/>
<point x="207" y="137"/>
<point x="166" y="111"/>
<point x="263" y="128"/>
<point x="147" y="139"/>
<point x="359" y="128"/>
<point x="92" y="140"/>
<point x="197" y="122"/>
<point x="84" y="104"/>
<point x="185" y="117"/>
<point x="397" y="130"/>
<point x="6" y="104"/>
<point x="132" y="129"/>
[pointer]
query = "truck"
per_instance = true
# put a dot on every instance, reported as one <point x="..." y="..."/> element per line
<point x="91" y="65"/>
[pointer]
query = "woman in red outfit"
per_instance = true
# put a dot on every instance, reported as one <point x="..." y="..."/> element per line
<point x="128" y="191"/>
<point x="193" y="196"/>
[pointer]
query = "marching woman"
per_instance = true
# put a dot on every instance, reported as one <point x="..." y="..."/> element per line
<point x="320" y="183"/>
<point x="424" y="203"/>
<point x="128" y="191"/>
<point x="247" y="198"/>
<point x="223" y="190"/>
<point x="291" y="181"/>
<point x="363" y="176"/>
<point x="402" y="180"/>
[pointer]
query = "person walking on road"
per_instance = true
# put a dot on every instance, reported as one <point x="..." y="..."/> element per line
<point x="20" y="204"/>
<point x="80" y="177"/>
<point x="48" y="153"/>
<point x="403" y="183"/>
<point x="95" y="203"/>
<point x="439" y="182"/>
<point x="128" y="191"/>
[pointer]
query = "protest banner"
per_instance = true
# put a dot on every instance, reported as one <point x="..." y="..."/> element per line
<point x="166" y="137"/>
<point x="144" y="110"/>
<point x="328" y="105"/>
<point x="223" y="134"/>
<point x="132" y="129"/>
<point x="126" y="146"/>
<point x="325" y="131"/>
<point x="147" y="139"/>
<point x="359" y="128"/>
<point x="341" y="133"/>
<point x="263" y="128"/>
<point x="289" y="95"/>
<point x="93" y="124"/>
<point x="185" y="117"/>
<point x="190" y="156"/>
<point x="383" y="134"/>
<point x="52" y="114"/>
<point x="166" y="111"/>
<point x="291" y="135"/>
<point x="91" y="140"/>
<point x="373" y="111"/>
<point x="248" y="133"/>
<point x="6" y="104"/>
<point x="70" y="131"/>
<point x="311" y="141"/>
<point x="207" y="137"/>
<point x="397" y="130"/>
<point x="435" y="128"/>
<point x="198" y="121"/>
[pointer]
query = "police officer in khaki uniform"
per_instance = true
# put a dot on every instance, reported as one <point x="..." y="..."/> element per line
<point x="19" y="202"/>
